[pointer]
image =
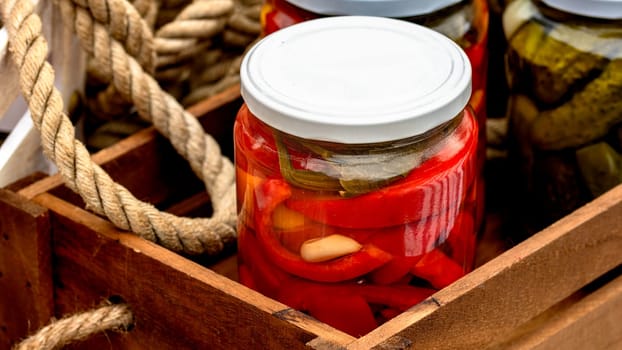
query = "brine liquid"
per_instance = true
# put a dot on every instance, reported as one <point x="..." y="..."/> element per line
<point x="412" y="235"/>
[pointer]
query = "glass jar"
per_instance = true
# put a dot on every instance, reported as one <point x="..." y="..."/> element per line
<point x="464" y="21"/>
<point x="564" y="70"/>
<point x="355" y="168"/>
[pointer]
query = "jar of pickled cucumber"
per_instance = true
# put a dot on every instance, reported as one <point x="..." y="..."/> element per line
<point x="356" y="168"/>
<point x="564" y="70"/>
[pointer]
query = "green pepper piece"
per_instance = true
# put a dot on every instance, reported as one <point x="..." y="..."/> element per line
<point x="361" y="169"/>
<point x="308" y="179"/>
<point x="601" y="167"/>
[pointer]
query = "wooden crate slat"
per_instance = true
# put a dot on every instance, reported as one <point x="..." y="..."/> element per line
<point x="593" y="322"/>
<point x="177" y="303"/>
<point x="26" y="287"/>
<point x="496" y="298"/>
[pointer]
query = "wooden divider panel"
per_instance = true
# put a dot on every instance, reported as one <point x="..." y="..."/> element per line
<point x="26" y="291"/>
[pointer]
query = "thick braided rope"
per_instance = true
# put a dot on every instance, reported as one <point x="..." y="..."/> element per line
<point x="148" y="10"/>
<point x="125" y="24"/>
<point x="193" y="236"/>
<point x="242" y="30"/>
<point x="153" y="104"/>
<point x="80" y="326"/>
<point x="200" y="20"/>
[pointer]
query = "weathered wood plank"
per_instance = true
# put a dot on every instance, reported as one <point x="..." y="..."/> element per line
<point x="521" y="283"/>
<point x="593" y="322"/>
<point x="26" y="287"/>
<point x="176" y="303"/>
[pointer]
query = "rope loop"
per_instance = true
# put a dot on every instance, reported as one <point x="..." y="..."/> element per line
<point x="125" y="66"/>
<point x="116" y="317"/>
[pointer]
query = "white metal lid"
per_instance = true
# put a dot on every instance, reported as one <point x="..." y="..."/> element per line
<point x="607" y="9"/>
<point x="355" y="79"/>
<point x="385" y="8"/>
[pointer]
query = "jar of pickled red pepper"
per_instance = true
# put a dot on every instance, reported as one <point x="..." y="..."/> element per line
<point x="356" y="168"/>
<point x="564" y="70"/>
<point x="464" y="21"/>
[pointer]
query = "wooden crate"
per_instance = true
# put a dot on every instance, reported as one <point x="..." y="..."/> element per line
<point x="560" y="289"/>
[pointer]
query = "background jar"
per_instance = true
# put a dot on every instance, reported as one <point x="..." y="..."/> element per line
<point x="564" y="70"/>
<point x="356" y="171"/>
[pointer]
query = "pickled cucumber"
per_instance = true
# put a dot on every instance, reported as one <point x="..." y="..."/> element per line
<point x="552" y="59"/>
<point x="601" y="167"/>
<point x="587" y="116"/>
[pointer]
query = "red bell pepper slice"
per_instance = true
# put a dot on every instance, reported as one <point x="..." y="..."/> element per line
<point x="389" y="313"/>
<point x="462" y="240"/>
<point x="299" y="294"/>
<point x="273" y="192"/>
<point x="266" y="277"/>
<point x="257" y="141"/>
<point x="438" y="269"/>
<point x="394" y="271"/>
<point x="245" y="276"/>
<point x="348" y="313"/>
<point x="424" y="192"/>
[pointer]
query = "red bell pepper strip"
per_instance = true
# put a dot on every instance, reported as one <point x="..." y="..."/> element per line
<point x="423" y="192"/>
<point x="348" y="313"/>
<point x="245" y="276"/>
<point x="270" y="194"/>
<point x="438" y="269"/>
<point x="300" y="293"/>
<point x="388" y="314"/>
<point x="462" y="240"/>
<point x="267" y="278"/>
<point x="394" y="270"/>
<point x="255" y="142"/>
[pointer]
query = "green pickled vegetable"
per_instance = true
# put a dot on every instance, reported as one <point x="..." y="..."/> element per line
<point x="601" y="167"/>
<point x="349" y="174"/>
<point x="587" y="116"/>
<point x="558" y="58"/>
<point x="359" y="169"/>
<point x="304" y="178"/>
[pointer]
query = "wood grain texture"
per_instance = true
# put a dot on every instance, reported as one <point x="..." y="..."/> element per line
<point x="594" y="322"/>
<point x="496" y="298"/>
<point x="26" y="287"/>
<point x="177" y="304"/>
